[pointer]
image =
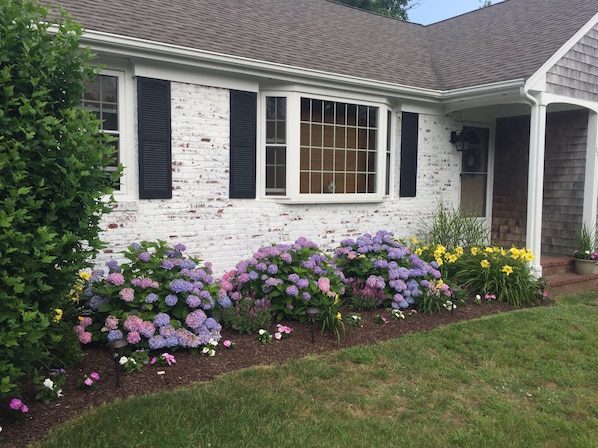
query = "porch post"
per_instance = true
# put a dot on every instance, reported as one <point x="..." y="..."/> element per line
<point x="535" y="187"/>
<point x="590" y="195"/>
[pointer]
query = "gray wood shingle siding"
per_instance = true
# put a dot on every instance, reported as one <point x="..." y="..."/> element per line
<point x="564" y="174"/>
<point x="576" y="74"/>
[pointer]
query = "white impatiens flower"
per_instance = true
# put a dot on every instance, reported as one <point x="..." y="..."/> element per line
<point x="59" y="394"/>
<point x="261" y="332"/>
<point x="123" y="360"/>
<point x="48" y="383"/>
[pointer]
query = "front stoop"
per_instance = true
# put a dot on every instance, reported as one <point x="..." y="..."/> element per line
<point x="560" y="276"/>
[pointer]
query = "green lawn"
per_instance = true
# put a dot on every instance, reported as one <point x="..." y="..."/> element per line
<point x="528" y="378"/>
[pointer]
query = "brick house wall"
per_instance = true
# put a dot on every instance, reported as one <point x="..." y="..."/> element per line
<point x="225" y="231"/>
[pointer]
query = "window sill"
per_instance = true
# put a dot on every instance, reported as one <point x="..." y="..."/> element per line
<point x="326" y="199"/>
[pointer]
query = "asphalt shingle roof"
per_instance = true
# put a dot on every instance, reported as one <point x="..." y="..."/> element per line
<point x="506" y="41"/>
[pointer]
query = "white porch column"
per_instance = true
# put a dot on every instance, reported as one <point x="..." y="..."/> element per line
<point x="535" y="187"/>
<point x="590" y="195"/>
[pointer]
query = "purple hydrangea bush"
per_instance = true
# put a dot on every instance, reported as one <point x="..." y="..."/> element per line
<point x="159" y="299"/>
<point x="290" y="277"/>
<point x="382" y="269"/>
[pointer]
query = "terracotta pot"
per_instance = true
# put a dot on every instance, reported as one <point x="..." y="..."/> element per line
<point x="584" y="267"/>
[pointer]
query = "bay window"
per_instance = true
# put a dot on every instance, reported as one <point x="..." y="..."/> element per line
<point x="325" y="150"/>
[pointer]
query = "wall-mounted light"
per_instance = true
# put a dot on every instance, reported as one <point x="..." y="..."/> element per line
<point x="460" y="140"/>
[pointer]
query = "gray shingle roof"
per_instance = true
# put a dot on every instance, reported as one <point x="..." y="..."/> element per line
<point x="506" y="41"/>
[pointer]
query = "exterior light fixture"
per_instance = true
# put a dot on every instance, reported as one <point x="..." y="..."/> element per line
<point x="460" y="140"/>
<point x="312" y="313"/>
<point x="116" y="348"/>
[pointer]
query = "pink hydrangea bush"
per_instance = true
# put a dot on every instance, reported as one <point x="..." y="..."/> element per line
<point x="383" y="270"/>
<point x="158" y="299"/>
<point x="291" y="277"/>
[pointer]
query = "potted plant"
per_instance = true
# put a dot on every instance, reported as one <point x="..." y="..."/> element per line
<point x="585" y="255"/>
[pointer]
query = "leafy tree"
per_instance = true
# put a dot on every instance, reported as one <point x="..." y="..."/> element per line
<point x="53" y="182"/>
<point x="392" y="8"/>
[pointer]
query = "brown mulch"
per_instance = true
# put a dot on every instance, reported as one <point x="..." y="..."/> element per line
<point x="193" y="368"/>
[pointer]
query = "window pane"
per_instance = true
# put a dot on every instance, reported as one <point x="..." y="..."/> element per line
<point x="339" y="160"/>
<point x="341" y="112"/>
<point x="362" y="139"/>
<point x="371" y="162"/>
<point x="101" y="98"/>
<point x="338" y="141"/>
<point x="328" y="112"/>
<point x="109" y="89"/>
<point x="304" y="159"/>
<point x="351" y="114"/>
<point x="110" y="118"/>
<point x="363" y="116"/>
<point x="339" y="183"/>
<point x="329" y="137"/>
<point x="328" y="162"/>
<point x="316" y="135"/>
<point x="373" y="121"/>
<point x="316" y="159"/>
<point x="316" y="183"/>
<point x="316" y="111"/>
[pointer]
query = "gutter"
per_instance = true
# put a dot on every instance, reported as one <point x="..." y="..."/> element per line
<point x="133" y="47"/>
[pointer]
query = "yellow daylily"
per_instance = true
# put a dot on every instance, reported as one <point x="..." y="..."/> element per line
<point x="58" y="314"/>
<point x="339" y="316"/>
<point x="475" y="251"/>
<point x="440" y="249"/>
<point x="507" y="269"/>
<point x="485" y="264"/>
<point x="85" y="275"/>
<point x="418" y="252"/>
<point x="459" y="251"/>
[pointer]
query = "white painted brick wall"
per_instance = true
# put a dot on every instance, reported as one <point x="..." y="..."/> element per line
<point x="225" y="231"/>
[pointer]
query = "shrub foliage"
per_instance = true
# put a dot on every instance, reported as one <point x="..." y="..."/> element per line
<point x="52" y="179"/>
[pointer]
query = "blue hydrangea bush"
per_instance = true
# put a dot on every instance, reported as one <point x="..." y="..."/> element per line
<point x="158" y="299"/>
<point x="290" y="277"/>
<point x="383" y="269"/>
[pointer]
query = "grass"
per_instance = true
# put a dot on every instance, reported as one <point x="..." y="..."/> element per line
<point x="520" y="379"/>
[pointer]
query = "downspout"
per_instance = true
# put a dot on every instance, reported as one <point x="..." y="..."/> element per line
<point x="533" y="235"/>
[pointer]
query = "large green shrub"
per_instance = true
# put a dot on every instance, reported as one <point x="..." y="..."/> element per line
<point x="52" y="178"/>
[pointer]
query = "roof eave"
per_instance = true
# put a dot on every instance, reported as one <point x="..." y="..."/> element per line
<point x="503" y="92"/>
<point x="130" y="47"/>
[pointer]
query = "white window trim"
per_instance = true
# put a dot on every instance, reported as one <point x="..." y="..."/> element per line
<point x="126" y="125"/>
<point x="293" y="133"/>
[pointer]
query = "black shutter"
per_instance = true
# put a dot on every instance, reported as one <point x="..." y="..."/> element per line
<point x="409" y="135"/>
<point x="153" y="113"/>
<point x="243" y="123"/>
